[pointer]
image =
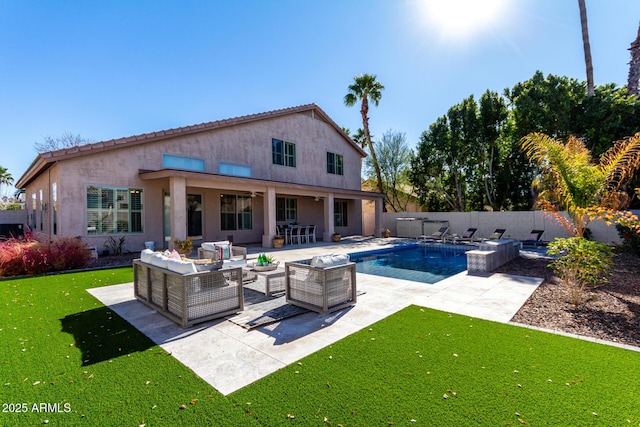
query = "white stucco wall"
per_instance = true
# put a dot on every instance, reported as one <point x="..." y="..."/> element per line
<point x="518" y="224"/>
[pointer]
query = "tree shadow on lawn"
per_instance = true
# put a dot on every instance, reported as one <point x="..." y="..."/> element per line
<point x="100" y="334"/>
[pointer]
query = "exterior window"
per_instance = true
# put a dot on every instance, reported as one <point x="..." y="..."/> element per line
<point x="54" y="207"/>
<point x="235" y="213"/>
<point x="283" y="153"/>
<point x="34" y="207"/>
<point x="236" y="170"/>
<point x="335" y="164"/>
<point x="286" y="209"/>
<point x="340" y="214"/>
<point x="194" y="216"/>
<point x="183" y="163"/>
<point x="41" y="209"/>
<point x="114" y="210"/>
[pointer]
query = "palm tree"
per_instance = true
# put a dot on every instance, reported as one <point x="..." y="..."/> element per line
<point x="587" y="47"/>
<point x="634" y="67"/>
<point x="5" y="177"/>
<point x="365" y="88"/>
<point x="570" y="180"/>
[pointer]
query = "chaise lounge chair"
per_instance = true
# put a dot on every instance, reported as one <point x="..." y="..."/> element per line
<point x="467" y="236"/>
<point x="534" y="238"/>
<point x="436" y="235"/>
<point x="497" y="234"/>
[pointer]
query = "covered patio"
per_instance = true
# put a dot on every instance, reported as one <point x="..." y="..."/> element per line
<point x="269" y="204"/>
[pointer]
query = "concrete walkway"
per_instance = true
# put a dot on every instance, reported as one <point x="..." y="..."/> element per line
<point x="229" y="357"/>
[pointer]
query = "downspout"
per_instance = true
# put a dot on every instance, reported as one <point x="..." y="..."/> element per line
<point x="49" y="209"/>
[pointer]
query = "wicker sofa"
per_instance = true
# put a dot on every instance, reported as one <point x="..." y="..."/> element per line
<point x="188" y="298"/>
<point x="321" y="284"/>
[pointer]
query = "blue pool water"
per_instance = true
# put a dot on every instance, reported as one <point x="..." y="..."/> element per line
<point x="426" y="264"/>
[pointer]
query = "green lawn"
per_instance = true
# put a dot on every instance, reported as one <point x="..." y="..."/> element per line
<point x="59" y="345"/>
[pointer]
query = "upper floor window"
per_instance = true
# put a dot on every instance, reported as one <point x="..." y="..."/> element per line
<point x="114" y="210"/>
<point x="184" y="163"/>
<point x="283" y="152"/>
<point x="236" y="170"/>
<point x="335" y="163"/>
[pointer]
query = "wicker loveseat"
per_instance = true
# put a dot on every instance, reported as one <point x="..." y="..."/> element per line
<point x="322" y="284"/>
<point x="187" y="297"/>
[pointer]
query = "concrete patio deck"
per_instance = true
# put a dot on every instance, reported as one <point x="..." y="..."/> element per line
<point x="229" y="357"/>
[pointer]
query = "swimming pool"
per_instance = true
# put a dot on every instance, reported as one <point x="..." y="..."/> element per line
<point x="419" y="263"/>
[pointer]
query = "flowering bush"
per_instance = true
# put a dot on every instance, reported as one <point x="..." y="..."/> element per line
<point x="27" y="255"/>
<point x="630" y="237"/>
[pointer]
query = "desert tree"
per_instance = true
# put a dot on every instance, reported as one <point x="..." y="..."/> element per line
<point x="66" y="140"/>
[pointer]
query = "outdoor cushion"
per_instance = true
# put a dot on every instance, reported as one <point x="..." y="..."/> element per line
<point x="145" y="256"/>
<point x="533" y="237"/>
<point x="224" y="250"/>
<point x="181" y="267"/>
<point x="223" y="247"/>
<point x="322" y="261"/>
<point x="468" y="234"/>
<point x="233" y="261"/>
<point x="159" y="260"/>
<point x="208" y="246"/>
<point x="174" y="255"/>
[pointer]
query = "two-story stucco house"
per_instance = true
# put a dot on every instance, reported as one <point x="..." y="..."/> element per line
<point x="236" y="178"/>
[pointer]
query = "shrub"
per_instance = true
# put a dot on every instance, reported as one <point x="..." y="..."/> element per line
<point x="183" y="247"/>
<point x="630" y="238"/>
<point x="115" y="247"/>
<point x="26" y="255"/>
<point x="581" y="263"/>
<point x="12" y="253"/>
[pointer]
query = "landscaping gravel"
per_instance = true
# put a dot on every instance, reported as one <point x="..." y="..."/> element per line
<point x="611" y="311"/>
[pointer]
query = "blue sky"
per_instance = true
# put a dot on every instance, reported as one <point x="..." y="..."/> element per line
<point x="108" y="69"/>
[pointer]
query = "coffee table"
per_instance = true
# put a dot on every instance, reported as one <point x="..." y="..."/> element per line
<point x="274" y="279"/>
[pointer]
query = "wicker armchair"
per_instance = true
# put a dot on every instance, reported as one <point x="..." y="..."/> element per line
<point x="189" y="298"/>
<point x="321" y="289"/>
<point x="238" y="258"/>
<point x="237" y="252"/>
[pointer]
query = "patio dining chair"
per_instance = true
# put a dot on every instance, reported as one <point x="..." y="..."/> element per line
<point x="296" y="234"/>
<point x="311" y="234"/>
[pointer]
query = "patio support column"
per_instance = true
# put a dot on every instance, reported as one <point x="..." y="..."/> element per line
<point x="178" y="194"/>
<point x="269" y="208"/>
<point x="377" y="231"/>
<point x="328" y="218"/>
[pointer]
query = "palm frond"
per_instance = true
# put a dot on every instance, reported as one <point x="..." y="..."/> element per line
<point x="620" y="162"/>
